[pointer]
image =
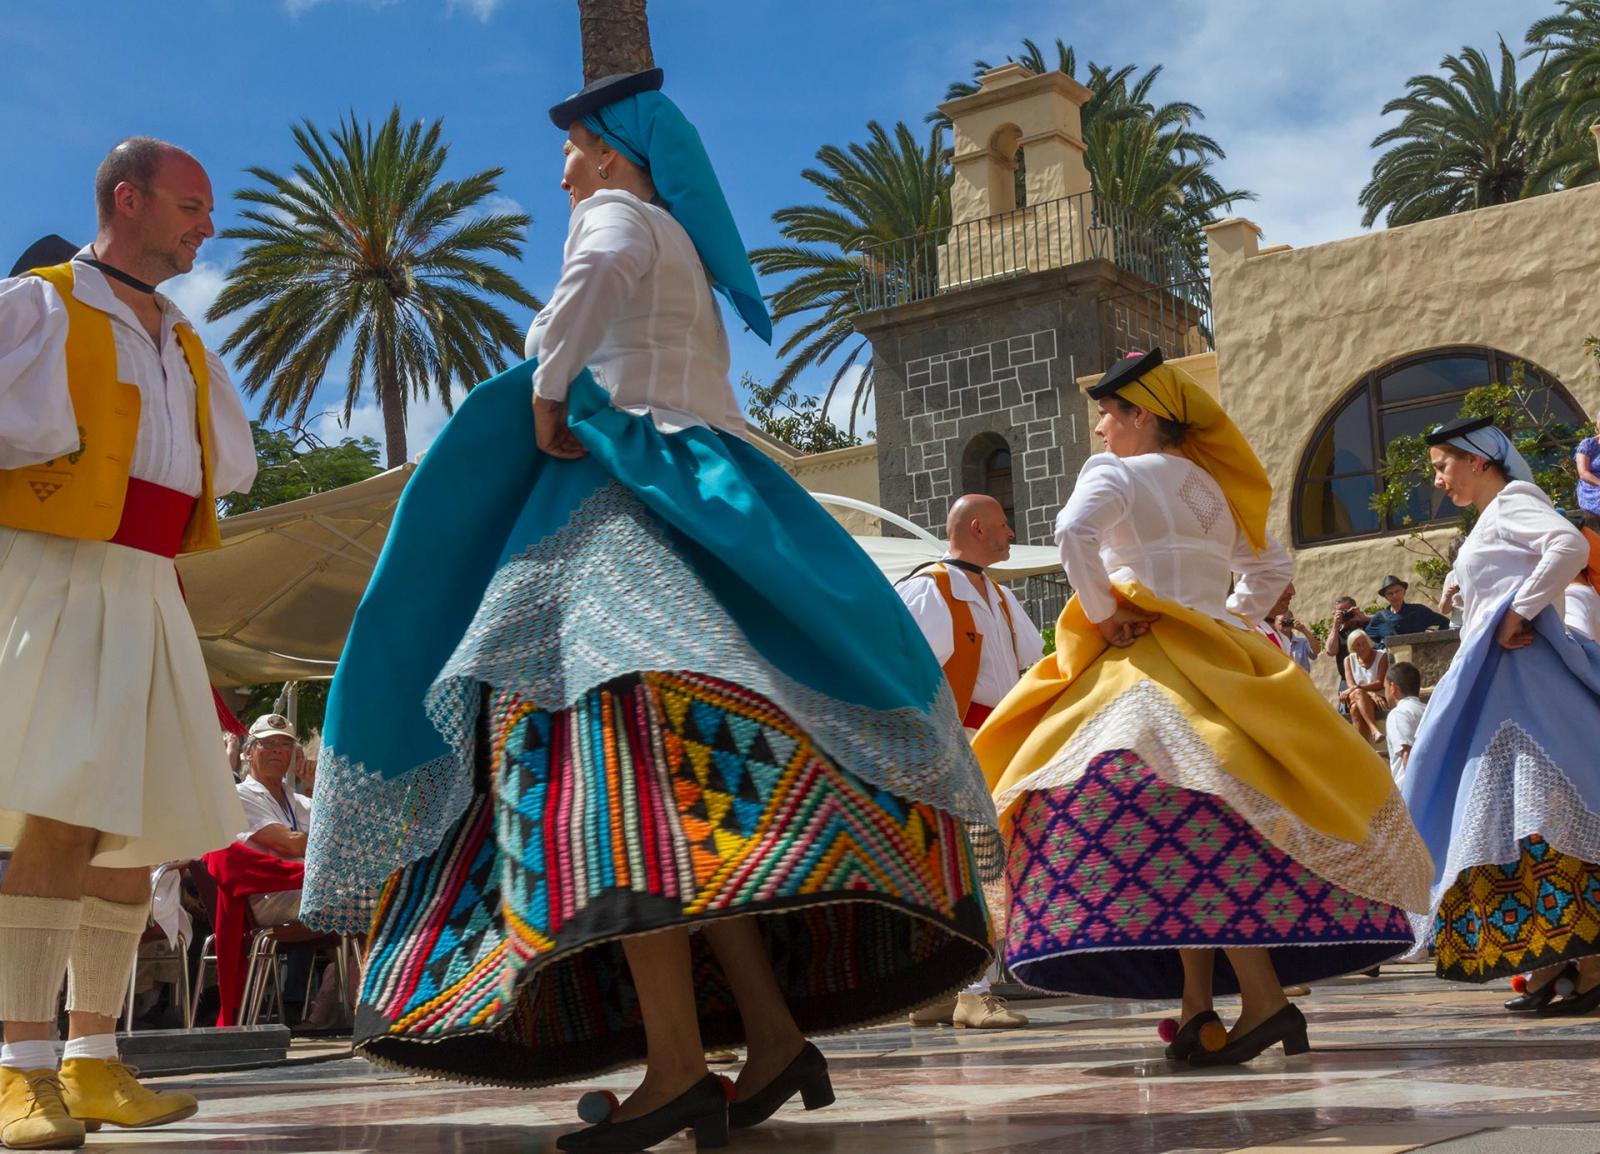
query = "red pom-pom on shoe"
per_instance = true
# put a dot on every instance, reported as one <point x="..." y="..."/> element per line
<point x="1519" y="984"/>
<point x="1167" y="1030"/>
<point x="596" y="1106"/>
<point x="727" y="1086"/>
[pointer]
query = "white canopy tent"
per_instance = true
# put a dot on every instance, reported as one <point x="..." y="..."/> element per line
<point x="276" y="601"/>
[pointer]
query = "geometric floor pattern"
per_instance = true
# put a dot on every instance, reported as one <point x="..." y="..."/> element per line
<point x="1399" y="1063"/>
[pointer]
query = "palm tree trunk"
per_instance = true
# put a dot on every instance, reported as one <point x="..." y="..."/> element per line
<point x="616" y="37"/>
<point x="392" y="399"/>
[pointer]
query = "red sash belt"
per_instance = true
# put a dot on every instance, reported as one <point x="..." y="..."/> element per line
<point x="154" y="518"/>
<point x="977" y="715"/>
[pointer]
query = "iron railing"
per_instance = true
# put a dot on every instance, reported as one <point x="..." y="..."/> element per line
<point x="1054" y="234"/>
<point x="1175" y="318"/>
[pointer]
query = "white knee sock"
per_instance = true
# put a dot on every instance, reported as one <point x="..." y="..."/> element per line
<point x="93" y="1046"/>
<point x="36" y="936"/>
<point x="102" y="955"/>
<point x="39" y="1055"/>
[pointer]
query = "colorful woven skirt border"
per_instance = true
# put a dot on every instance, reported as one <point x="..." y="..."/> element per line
<point x="659" y="800"/>
<point x="1112" y="876"/>
<point x="1500" y="920"/>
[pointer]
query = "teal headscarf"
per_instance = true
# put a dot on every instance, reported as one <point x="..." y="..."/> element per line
<point x="650" y="130"/>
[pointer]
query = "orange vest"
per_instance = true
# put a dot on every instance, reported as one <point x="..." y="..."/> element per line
<point x="1592" y="570"/>
<point x="81" y="494"/>
<point x="961" y="670"/>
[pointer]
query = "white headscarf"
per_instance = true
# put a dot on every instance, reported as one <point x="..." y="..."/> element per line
<point x="1494" y="445"/>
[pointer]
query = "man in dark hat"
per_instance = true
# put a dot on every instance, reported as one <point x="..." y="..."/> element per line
<point x="1401" y="616"/>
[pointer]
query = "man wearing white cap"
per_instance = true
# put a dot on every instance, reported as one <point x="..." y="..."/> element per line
<point x="278" y="820"/>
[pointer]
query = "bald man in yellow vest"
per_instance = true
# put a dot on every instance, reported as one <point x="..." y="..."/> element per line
<point x="118" y="430"/>
<point x="980" y="634"/>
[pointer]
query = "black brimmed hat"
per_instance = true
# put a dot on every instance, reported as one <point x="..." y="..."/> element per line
<point x="606" y="90"/>
<point x="1444" y="434"/>
<point x="1390" y="582"/>
<point x="1124" y="373"/>
<point x="44" y="252"/>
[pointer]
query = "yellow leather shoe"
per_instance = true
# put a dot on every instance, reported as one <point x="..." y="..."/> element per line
<point x="99" y="1090"/>
<point x="32" y="1114"/>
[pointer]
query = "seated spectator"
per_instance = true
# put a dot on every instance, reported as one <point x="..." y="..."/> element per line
<point x="1347" y="618"/>
<point x="1587" y="459"/>
<point x="1400" y="615"/>
<point x="1403" y="690"/>
<point x="1365" y="668"/>
<point x="279" y="818"/>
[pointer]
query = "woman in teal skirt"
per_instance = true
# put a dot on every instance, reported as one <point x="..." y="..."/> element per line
<point x="637" y="749"/>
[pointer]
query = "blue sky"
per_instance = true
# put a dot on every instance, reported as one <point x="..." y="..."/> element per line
<point x="1292" y="91"/>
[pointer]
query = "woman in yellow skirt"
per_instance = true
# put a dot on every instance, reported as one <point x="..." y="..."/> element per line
<point x="1171" y="785"/>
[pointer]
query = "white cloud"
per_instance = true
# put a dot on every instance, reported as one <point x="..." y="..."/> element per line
<point x="501" y="204"/>
<point x="195" y="292"/>
<point x="482" y="9"/>
<point x="424" y="420"/>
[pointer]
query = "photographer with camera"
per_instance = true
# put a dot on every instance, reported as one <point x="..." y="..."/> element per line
<point x="1347" y="618"/>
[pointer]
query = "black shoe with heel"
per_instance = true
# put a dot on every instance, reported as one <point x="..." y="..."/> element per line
<point x="807" y="1076"/>
<point x="1187" y="1040"/>
<point x="1575" y="1006"/>
<point x="702" y="1108"/>
<point x="1535" y="1000"/>
<point x="1288" y="1026"/>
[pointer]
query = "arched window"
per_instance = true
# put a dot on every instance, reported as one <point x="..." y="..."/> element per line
<point x="986" y="468"/>
<point x="1339" y="475"/>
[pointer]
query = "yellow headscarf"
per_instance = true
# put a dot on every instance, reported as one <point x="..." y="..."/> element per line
<point x="1213" y="442"/>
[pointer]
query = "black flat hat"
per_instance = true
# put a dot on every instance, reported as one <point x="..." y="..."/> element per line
<point x="1124" y="373"/>
<point x="43" y="253"/>
<point x="599" y="93"/>
<point x="1390" y="581"/>
<point x="1444" y="434"/>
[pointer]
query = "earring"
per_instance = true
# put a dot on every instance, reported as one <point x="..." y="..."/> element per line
<point x="602" y="173"/>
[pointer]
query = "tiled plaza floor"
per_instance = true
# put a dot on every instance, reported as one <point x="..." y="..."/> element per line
<point x="1399" y="1063"/>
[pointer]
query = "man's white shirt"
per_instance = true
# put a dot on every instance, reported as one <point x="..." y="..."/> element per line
<point x="1002" y="663"/>
<point x="262" y="809"/>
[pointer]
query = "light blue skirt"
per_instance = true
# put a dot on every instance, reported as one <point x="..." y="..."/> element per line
<point x="1509" y="748"/>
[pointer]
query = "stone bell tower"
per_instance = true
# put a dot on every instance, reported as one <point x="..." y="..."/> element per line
<point x="980" y="330"/>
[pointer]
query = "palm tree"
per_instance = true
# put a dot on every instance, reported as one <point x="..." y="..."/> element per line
<point x="891" y="187"/>
<point x="616" y="37"/>
<point x="1568" y="45"/>
<point x="1467" y="140"/>
<point x="363" y="246"/>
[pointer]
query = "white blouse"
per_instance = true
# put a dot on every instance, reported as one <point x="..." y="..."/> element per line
<point x="1161" y="520"/>
<point x="634" y="304"/>
<point x="37" y="422"/>
<point x="1520" y="544"/>
<point x="1583" y="610"/>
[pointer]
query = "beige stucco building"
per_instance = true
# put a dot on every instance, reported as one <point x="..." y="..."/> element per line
<point x="851" y="472"/>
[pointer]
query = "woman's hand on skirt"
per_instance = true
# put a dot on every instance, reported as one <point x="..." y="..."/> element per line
<point x="1515" y="631"/>
<point x="1125" y="626"/>
<point x="551" y="431"/>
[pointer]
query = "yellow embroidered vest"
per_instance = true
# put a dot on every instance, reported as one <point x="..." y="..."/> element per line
<point x="81" y="494"/>
<point x="961" y="670"/>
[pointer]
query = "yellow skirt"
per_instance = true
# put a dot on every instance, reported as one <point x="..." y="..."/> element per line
<point x="105" y="704"/>
<point x="1215" y="708"/>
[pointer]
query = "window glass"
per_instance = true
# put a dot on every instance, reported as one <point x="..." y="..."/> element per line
<point x="1346" y="445"/>
<point x="1452" y="374"/>
<point x="1414" y="421"/>
<point x="1337" y="507"/>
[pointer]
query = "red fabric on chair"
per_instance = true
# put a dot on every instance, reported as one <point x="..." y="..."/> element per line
<point x="240" y="872"/>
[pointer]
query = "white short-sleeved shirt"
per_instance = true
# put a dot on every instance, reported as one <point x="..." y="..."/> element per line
<point x="262" y="809"/>
<point x="37" y="422"/>
<point x="1003" y="659"/>
<point x="1400" y="731"/>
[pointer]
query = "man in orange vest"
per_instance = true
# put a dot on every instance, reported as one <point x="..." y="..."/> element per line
<point x="117" y="431"/>
<point x="980" y="635"/>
